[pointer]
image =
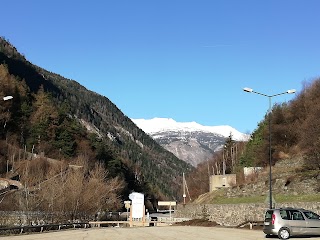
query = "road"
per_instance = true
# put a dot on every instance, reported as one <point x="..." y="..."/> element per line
<point x="154" y="233"/>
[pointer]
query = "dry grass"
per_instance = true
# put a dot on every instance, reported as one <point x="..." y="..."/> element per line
<point x="198" y="222"/>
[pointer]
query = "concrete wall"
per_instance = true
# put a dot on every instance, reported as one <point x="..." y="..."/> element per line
<point x="221" y="181"/>
<point x="21" y="218"/>
<point x="234" y="214"/>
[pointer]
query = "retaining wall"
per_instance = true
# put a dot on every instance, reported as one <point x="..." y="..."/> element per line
<point x="234" y="214"/>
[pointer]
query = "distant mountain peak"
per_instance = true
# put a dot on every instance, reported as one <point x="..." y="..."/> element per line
<point x="189" y="141"/>
<point x="157" y="124"/>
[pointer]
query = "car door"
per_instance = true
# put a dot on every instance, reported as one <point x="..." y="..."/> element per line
<point x="297" y="223"/>
<point x="312" y="223"/>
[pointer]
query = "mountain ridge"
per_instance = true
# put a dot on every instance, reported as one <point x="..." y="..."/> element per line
<point x="189" y="141"/>
<point x="159" y="124"/>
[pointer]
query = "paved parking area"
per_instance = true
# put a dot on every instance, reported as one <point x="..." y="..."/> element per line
<point x="154" y="233"/>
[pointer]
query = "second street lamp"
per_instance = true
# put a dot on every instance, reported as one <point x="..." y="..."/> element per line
<point x="250" y="90"/>
<point x="6" y="98"/>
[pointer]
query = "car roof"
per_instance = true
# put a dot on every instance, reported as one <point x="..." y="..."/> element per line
<point x="286" y="208"/>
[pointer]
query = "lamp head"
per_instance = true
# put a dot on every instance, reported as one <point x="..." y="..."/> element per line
<point x="7" y="98"/>
<point x="291" y="91"/>
<point x="246" y="89"/>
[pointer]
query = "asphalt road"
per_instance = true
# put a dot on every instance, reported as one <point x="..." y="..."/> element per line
<point x="157" y="233"/>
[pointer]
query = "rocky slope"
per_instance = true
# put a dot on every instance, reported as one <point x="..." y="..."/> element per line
<point x="192" y="147"/>
<point x="288" y="178"/>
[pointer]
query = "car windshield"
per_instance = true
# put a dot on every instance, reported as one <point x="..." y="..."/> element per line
<point x="311" y="215"/>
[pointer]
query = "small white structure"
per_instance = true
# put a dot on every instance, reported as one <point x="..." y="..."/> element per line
<point x="251" y="170"/>
<point x="137" y="207"/>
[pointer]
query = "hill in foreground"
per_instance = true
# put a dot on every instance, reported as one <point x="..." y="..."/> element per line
<point x="58" y="118"/>
<point x="290" y="183"/>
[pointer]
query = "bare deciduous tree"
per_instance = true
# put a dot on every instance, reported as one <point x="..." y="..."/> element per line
<point x="68" y="190"/>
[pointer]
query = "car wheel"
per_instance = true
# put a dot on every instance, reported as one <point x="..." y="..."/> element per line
<point x="284" y="233"/>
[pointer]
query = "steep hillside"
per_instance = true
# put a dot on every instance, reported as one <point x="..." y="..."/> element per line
<point x="153" y="168"/>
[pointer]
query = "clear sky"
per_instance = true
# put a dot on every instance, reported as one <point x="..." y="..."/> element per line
<point x="181" y="59"/>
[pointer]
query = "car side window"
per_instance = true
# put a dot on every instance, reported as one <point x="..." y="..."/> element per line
<point x="311" y="215"/>
<point x="296" y="215"/>
<point x="284" y="214"/>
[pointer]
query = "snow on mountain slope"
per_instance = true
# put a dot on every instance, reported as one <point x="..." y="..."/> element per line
<point x="189" y="141"/>
<point x="157" y="125"/>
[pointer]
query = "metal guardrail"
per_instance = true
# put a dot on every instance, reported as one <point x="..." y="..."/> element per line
<point x="147" y="222"/>
<point x="108" y="223"/>
<point x="56" y="227"/>
<point x="250" y="223"/>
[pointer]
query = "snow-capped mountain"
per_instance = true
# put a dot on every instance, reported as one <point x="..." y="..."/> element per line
<point x="189" y="141"/>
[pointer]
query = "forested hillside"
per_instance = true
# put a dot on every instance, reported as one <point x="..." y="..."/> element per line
<point x="295" y="135"/>
<point x="295" y="130"/>
<point x="60" y="119"/>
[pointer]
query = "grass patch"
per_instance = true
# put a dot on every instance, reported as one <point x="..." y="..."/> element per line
<point x="297" y="198"/>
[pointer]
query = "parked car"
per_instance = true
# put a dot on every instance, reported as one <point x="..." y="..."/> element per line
<point x="286" y="222"/>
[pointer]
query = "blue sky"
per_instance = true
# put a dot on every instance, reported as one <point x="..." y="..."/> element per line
<point x="187" y="60"/>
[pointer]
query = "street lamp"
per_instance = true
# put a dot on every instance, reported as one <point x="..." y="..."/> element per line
<point x="250" y="90"/>
<point x="6" y="98"/>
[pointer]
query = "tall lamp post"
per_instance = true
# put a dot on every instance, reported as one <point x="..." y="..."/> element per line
<point x="6" y="98"/>
<point x="250" y="90"/>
